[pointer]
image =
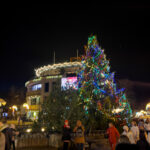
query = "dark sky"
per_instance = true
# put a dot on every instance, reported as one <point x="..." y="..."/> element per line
<point x="30" y="35"/>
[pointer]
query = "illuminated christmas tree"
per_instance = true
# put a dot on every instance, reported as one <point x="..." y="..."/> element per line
<point x="95" y="81"/>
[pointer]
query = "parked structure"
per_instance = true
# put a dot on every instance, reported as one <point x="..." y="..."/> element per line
<point x="46" y="78"/>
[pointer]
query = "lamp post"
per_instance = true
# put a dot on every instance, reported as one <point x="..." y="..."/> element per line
<point x="14" y="108"/>
<point x="26" y="106"/>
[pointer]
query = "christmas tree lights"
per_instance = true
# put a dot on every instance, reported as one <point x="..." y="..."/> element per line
<point x="96" y="82"/>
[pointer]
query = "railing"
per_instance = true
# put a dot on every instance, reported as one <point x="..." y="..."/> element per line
<point x="38" y="140"/>
<point x="53" y="140"/>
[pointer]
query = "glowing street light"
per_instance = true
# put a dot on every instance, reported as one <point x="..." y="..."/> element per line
<point x="28" y="130"/>
<point x="14" y="108"/>
<point x="42" y="129"/>
<point x="25" y="105"/>
<point x="2" y="102"/>
<point x="148" y="107"/>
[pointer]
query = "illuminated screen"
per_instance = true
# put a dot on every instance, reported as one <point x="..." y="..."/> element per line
<point x="69" y="82"/>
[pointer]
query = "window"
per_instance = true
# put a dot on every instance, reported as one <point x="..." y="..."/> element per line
<point x="33" y="101"/>
<point x="36" y="87"/>
<point x="47" y="87"/>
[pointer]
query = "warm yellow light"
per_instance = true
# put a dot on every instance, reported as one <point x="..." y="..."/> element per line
<point x="117" y="110"/>
<point x="42" y="129"/>
<point x="40" y="70"/>
<point x="34" y="114"/>
<point x="2" y="102"/>
<point x="14" y="107"/>
<point x="142" y="111"/>
<point x="148" y="107"/>
<point x="28" y="130"/>
<point x="25" y="105"/>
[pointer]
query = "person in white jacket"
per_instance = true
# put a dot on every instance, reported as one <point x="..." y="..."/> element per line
<point x="135" y="131"/>
<point x="147" y="128"/>
<point x="129" y="134"/>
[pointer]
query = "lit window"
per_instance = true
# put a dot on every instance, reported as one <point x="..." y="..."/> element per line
<point x="36" y="87"/>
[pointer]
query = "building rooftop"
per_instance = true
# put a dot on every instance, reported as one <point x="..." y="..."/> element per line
<point x="48" y="68"/>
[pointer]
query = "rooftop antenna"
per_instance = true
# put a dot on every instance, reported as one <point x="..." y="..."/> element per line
<point x="77" y="54"/>
<point x="54" y="57"/>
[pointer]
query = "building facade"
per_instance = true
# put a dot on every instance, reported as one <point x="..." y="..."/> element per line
<point x="38" y="89"/>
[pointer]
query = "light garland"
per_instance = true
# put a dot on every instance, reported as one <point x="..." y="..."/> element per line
<point x="96" y="81"/>
<point x="43" y="69"/>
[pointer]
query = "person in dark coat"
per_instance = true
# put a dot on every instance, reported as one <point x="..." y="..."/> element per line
<point x="66" y="137"/>
<point x="5" y="130"/>
<point x="13" y="135"/>
<point x="142" y="143"/>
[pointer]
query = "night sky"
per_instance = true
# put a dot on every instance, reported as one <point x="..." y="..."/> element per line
<point x="31" y="35"/>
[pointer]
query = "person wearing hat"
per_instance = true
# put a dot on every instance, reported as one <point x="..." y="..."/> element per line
<point x="129" y="134"/>
<point x="66" y="136"/>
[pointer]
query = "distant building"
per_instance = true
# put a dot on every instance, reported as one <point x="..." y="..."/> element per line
<point x="38" y="89"/>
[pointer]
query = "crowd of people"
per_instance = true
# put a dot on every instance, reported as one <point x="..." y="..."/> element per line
<point x="136" y="137"/>
<point x="7" y="136"/>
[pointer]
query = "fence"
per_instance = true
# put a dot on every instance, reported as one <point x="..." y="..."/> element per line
<point x="38" y="140"/>
<point x="53" y="140"/>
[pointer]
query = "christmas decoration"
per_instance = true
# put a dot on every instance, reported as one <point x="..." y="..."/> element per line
<point x="96" y="82"/>
<point x="40" y="71"/>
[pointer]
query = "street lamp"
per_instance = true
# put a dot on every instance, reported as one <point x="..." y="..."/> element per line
<point x="2" y="102"/>
<point x="14" y="108"/>
<point x="148" y="107"/>
<point x="43" y="129"/>
<point x="25" y="105"/>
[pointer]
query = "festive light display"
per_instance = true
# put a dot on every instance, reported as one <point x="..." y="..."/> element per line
<point x="140" y="114"/>
<point x="148" y="107"/>
<point x="96" y="82"/>
<point x="117" y="110"/>
<point x="44" y="69"/>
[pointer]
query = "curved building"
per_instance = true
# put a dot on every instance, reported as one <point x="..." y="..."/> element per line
<point x="40" y="87"/>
